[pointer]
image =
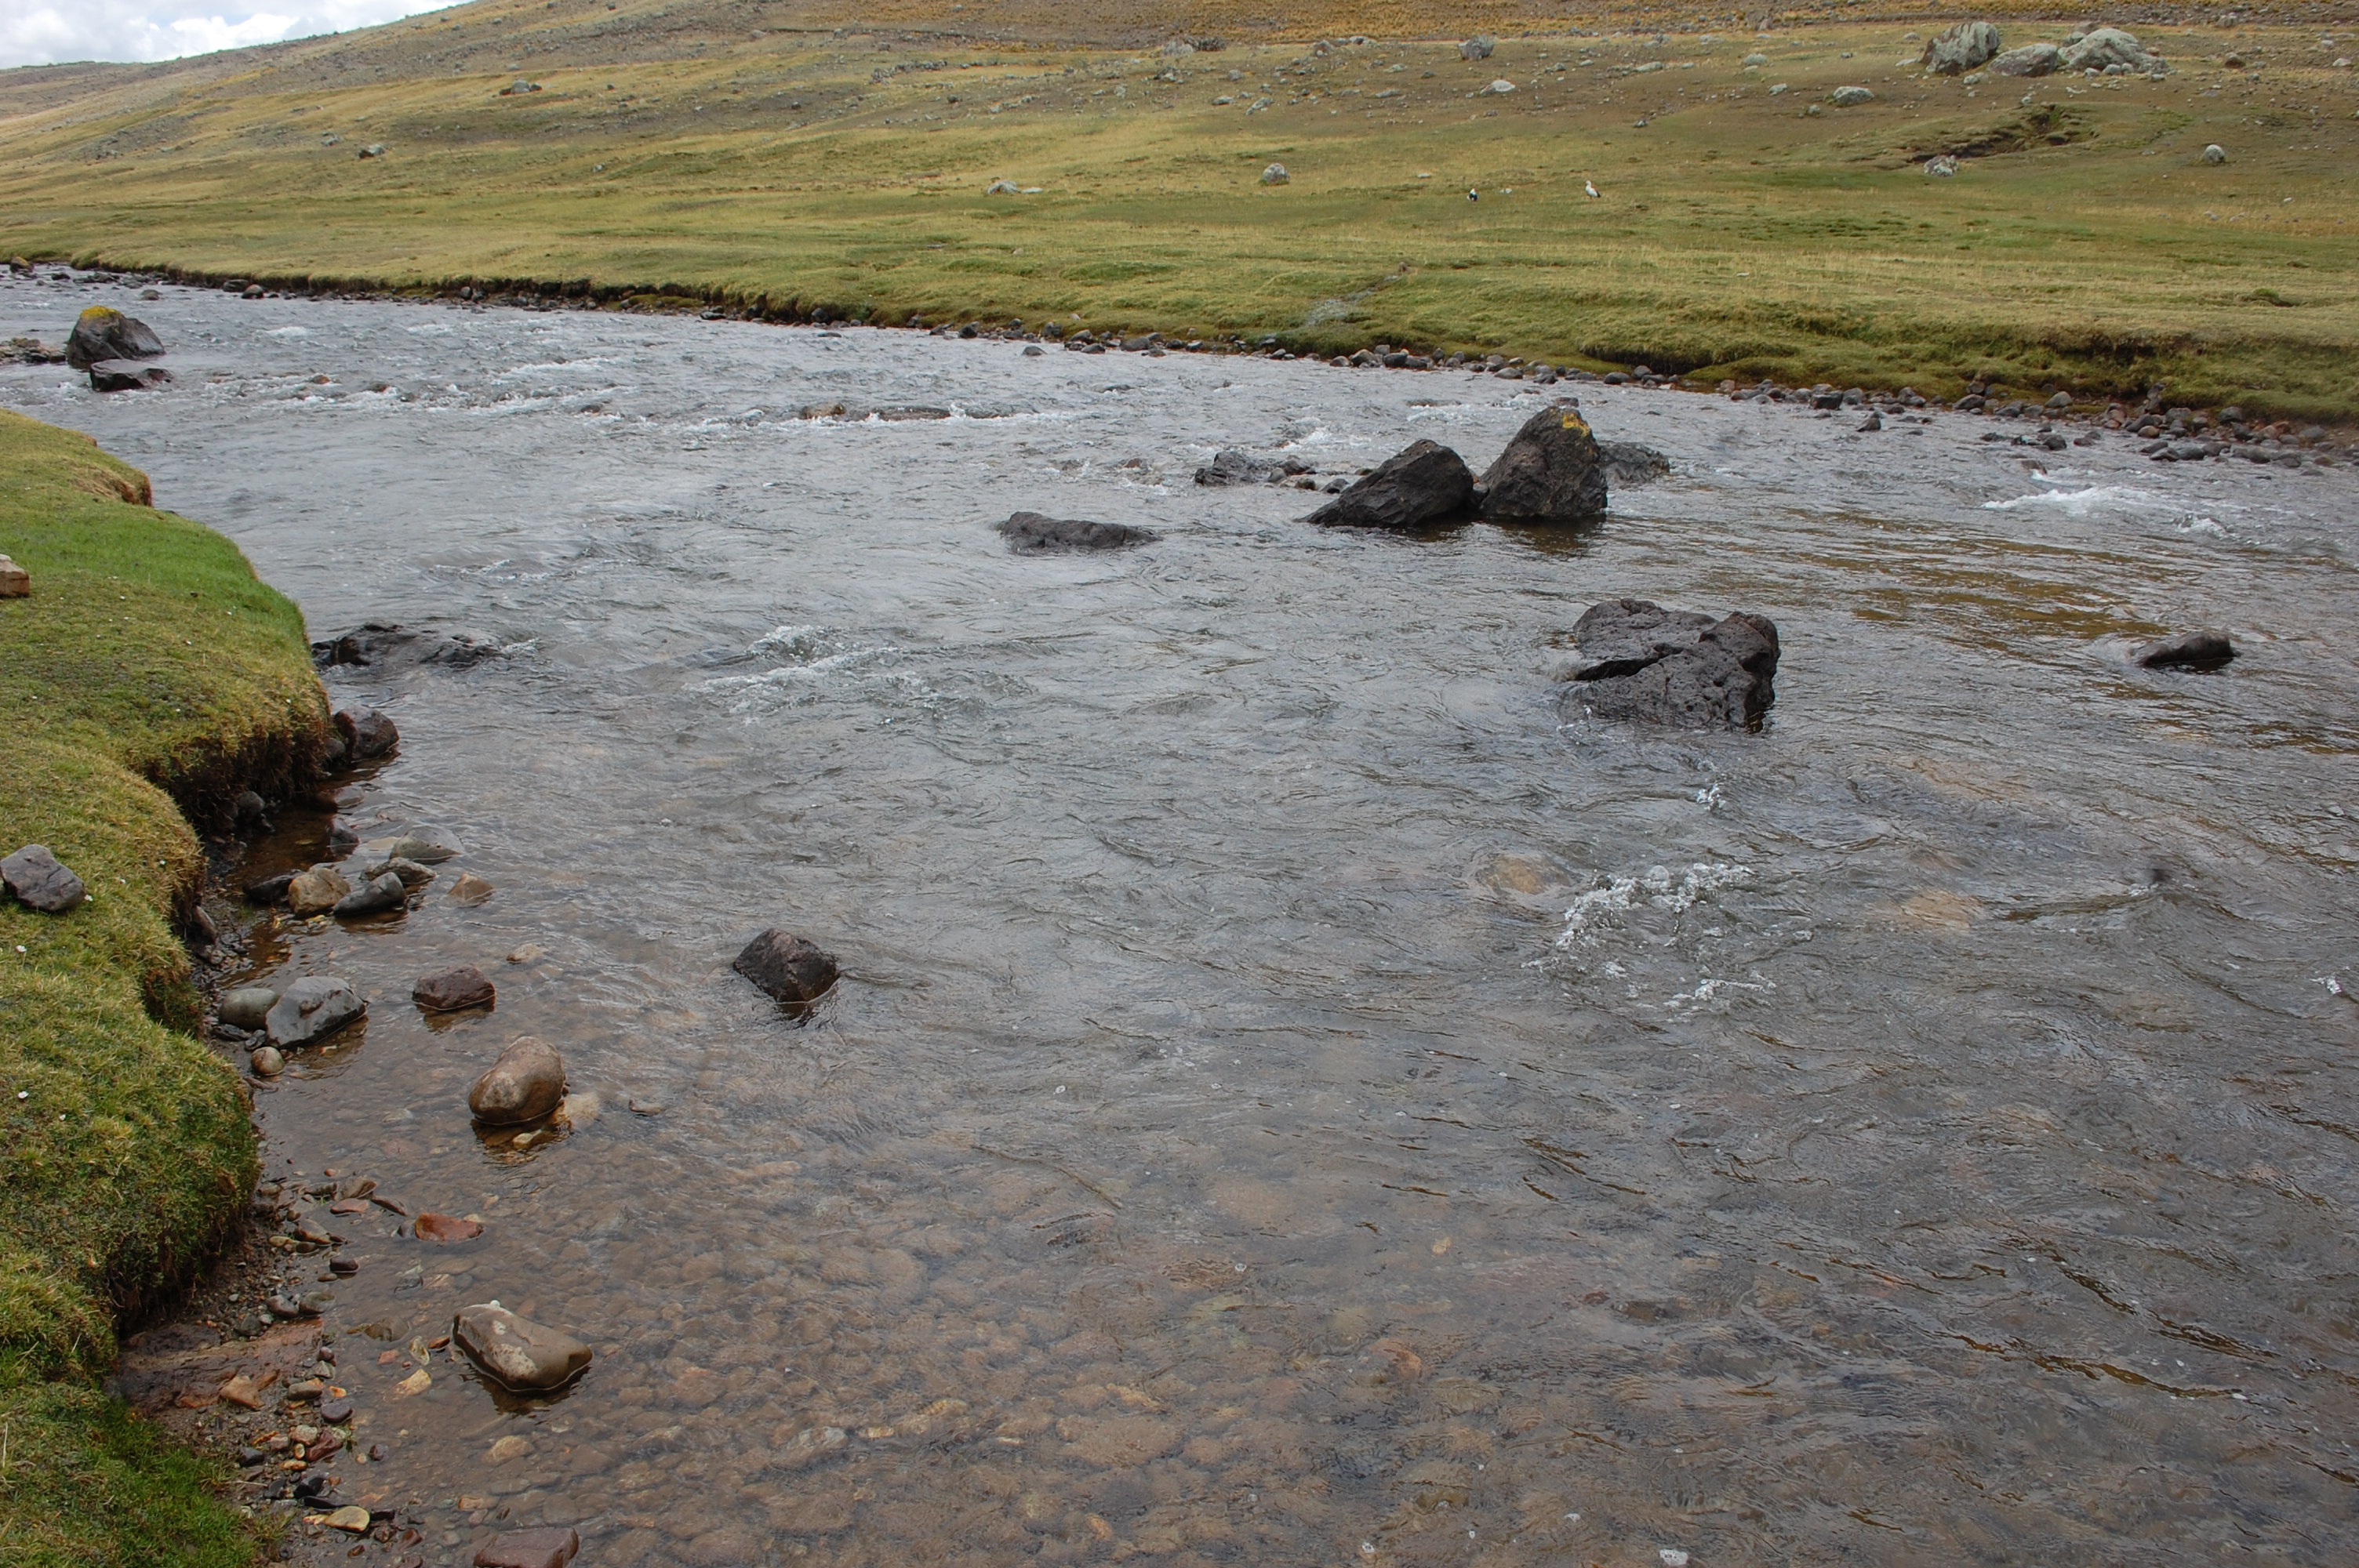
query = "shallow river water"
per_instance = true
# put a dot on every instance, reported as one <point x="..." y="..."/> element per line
<point x="1292" y="1101"/>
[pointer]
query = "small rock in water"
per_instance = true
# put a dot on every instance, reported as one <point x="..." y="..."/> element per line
<point x="448" y="991"/>
<point x="1421" y="485"/>
<point x="470" y="888"/>
<point x="127" y="375"/>
<point x="313" y="1009"/>
<point x="1640" y="661"/>
<point x="413" y="875"/>
<point x="529" y="1549"/>
<point x="33" y="874"/>
<point x="266" y="1062"/>
<point x="445" y="1228"/>
<point x="1030" y="534"/>
<point x="377" y="897"/>
<point x="366" y="732"/>
<point x="1550" y="473"/>
<point x="794" y="971"/>
<point x="515" y="1353"/>
<point x="317" y="891"/>
<point x="2205" y="649"/>
<point x="1629" y="464"/>
<point x="530" y="953"/>
<point x="335" y="1412"/>
<point x="524" y="1085"/>
<point x="424" y="846"/>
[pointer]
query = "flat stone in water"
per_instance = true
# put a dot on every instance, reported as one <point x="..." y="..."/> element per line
<point x="1031" y="533"/>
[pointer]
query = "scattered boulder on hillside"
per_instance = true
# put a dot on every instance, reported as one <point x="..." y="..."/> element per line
<point x="1423" y="484"/>
<point x="1850" y="97"/>
<point x="313" y="1009"/>
<point x="1676" y="667"/>
<point x="103" y="332"/>
<point x="1960" y="49"/>
<point x="2031" y="60"/>
<point x="519" y="88"/>
<point x="15" y="582"/>
<point x="1551" y="471"/>
<point x="2204" y="650"/>
<point x="2105" y="49"/>
<point x="1275" y="175"/>
<point x="525" y="1084"/>
<point x="127" y="375"/>
<point x="1230" y="466"/>
<point x="1003" y="187"/>
<point x="39" y="882"/>
<point x="1031" y="533"/>
<point x="795" y="971"/>
<point x="515" y="1353"/>
<point x="1477" y="48"/>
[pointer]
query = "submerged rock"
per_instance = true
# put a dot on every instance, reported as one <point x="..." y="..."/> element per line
<point x="316" y="890"/>
<point x="368" y="733"/>
<point x="1423" y="484"/>
<point x="515" y="1353"/>
<point x="1030" y="534"/>
<point x="789" y="968"/>
<point x="413" y="875"/>
<point x="470" y="888"/>
<point x="1644" y="663"/>
<point x="1551" y="471"/>
<point x="386" y="645"/>
<point x="266" y="1062"/>
<point x="380" y="896"/>
<point x="39" y="882"/>
<point x="524" y="1085"/>
<point x="105" y="333"/>
<point x="1630" y="465"/>
<point x="2205" y="649"/>
<point x="1230" y="466"/>
<point x="313" y="1009"/>
<point x="449" y="991"/>
<point x="421" y="846"/>
<point x="547" y="1548"/>
<point x="248" y="1007"/>
<point x="127" y="375"/>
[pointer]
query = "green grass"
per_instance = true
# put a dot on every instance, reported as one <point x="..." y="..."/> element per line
<point x="2089" y="246"/>
<point x="148" y="671"/>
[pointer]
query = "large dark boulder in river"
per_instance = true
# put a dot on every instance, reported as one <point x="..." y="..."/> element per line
<point x="2205" y="650"/>
<point x="1550" y="473"/>
<point x="795" y="971"/>
<point x="1030" y="534"/>
<point x="366" y="733"/>
<point x="1421" y="485"/>
<point x="107" y="333"/>
<point x="1644" y="663"/>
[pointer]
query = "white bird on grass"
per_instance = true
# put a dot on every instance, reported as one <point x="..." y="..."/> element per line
<point x="1591" y="186"/>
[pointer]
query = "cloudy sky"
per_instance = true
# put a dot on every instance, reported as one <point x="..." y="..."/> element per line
<point x="43" y="32"/>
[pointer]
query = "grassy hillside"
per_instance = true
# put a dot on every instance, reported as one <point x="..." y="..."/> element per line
<point x="751" y="152"/>
<point x="149" y="664"/>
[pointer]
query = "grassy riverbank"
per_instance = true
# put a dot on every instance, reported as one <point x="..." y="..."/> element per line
<point x="781" y="157"/>
<point x="149" y="674"/>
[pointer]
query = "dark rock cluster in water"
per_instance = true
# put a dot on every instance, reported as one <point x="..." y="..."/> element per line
<point x="1678" y="667"/>
<point x="1551" y="473"/>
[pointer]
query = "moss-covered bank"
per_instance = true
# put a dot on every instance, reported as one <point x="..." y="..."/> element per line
<point x="149" y="679"/>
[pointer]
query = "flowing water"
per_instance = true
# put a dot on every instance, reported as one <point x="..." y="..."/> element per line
<point x="1291" y="1100"/>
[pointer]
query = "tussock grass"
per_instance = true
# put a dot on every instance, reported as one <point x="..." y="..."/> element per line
<point x="673" y="155"/>
<point x="149" y="669"/>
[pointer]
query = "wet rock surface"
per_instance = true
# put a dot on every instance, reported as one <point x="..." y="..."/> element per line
<point x="385" y="647"/>
<point x="1031" y="533"/>
<point x="1550" y="473"/>
<point x="2204" y="650"/>
<point x="103" y="333"/>
<point x="518" y="1353"/>
<point x="310" y="1009"/>
<point x="793" y="969"/>
<point x="449" y="991"/>
<point x="1682" y="668"/>
<point x="1421" y="486"/>
<point x="368" y="733"/>
<point x="525" y="1084"/>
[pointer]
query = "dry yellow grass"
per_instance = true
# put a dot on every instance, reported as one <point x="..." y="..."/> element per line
<point x="732" y="152"/>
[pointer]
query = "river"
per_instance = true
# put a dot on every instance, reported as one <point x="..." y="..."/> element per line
<point x="1292" y="1099"/>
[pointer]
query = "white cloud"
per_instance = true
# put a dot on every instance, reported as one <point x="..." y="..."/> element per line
<point x="45" y="32"/>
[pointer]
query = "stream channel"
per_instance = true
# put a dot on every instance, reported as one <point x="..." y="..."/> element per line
<point x="1291" y="1100"/>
